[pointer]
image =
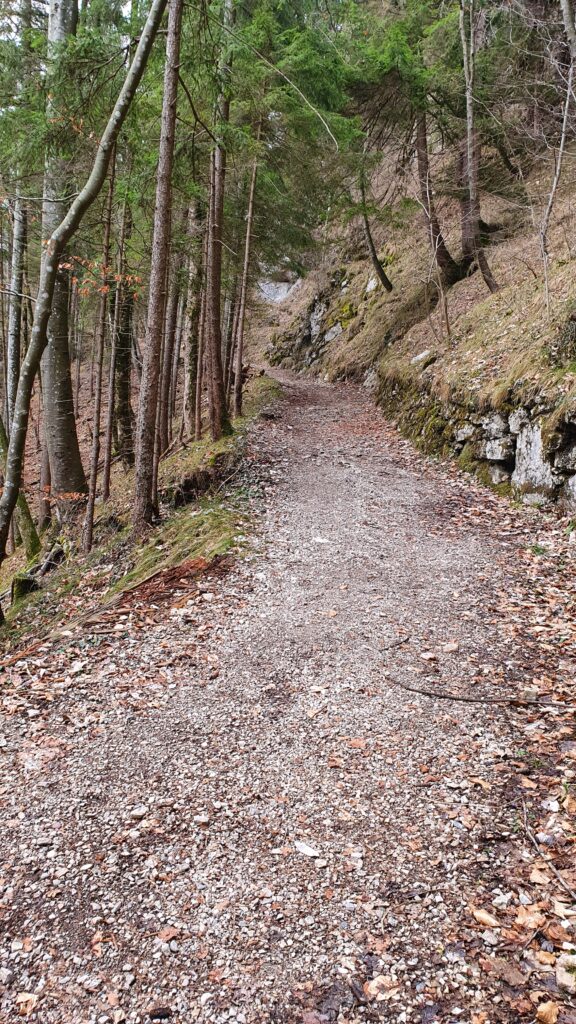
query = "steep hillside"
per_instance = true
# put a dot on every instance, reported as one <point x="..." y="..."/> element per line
<point x="488" y="379"/>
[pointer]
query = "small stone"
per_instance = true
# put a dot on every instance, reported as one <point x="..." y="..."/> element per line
<point x="6" y="976"/>
<point x="139" y="812"/>
<point x="566" y="973"/>
<point x="160" y="1013"/>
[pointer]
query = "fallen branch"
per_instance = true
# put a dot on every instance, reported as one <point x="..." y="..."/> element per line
<point x="544" y="857"/>
<point x="463" y="698"/>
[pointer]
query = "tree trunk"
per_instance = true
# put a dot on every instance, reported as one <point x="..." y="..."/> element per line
<point x="378" y="268"/>
<point x="15" y="309"/>
<point x="239" y="341"/>
<point x="44" y="507"/>
<point x="449" y="269"/>
<point x="145" y="498"/>
<point x="68" y="477"/>
<point x="24" y="518"/>
<point x="219" y="420"/>
<point x="113" y="359"/>
<point x="467" y="36"/>
<point x="53" y="251"/>
<point x="170" y="328"/>
<point x="100" y="339"/>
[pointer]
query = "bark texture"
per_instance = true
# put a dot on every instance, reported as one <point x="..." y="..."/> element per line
<point x="145" y="498"/>
<point x="67" y="471"/>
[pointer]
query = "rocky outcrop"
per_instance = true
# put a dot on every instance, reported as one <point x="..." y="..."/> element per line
<point x="524" y="447"/>
<point x="525" y="450"/>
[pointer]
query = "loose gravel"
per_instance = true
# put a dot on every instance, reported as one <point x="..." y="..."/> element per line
<point x="237" y="813"/>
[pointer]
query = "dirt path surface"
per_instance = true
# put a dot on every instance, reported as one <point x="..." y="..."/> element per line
<point x="237" y="814"/>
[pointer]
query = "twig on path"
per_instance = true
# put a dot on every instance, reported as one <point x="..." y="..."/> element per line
<point x="513" y="701"/>
<point x="395" y="643"/>
<point x="546" y="859"/>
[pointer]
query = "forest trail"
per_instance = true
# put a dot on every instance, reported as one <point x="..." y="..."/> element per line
<point x="237" y="814"/>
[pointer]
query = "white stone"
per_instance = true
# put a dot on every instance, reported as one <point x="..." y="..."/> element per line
<point x="531" y="469"/>
<point x="372" y="285"/>
<point x="518" y="419"/>
<point x="420" y="357"/>
<point x="495" y="425"/>
<point x="334" y="332"/>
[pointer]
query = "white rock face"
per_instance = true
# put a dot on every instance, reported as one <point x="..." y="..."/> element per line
<point x="316" y="317"/>
<point x="334" y="332"/>
<point x="371" y="286"/>
<point x="494" y="426"/>
<point x="532" y="472"/>
<point x="499" y="449"/>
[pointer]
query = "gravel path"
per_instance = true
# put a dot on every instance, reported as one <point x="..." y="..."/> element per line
<point x="237" y="814"/>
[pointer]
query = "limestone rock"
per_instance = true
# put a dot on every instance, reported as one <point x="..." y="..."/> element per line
<point x="500" y="449"/>
<point x="532" y="472"/>
<point x="494" y="426"/>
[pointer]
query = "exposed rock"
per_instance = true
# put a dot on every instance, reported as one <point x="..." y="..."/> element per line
<point x="465" y="432"/>
<point x="565" y="458"/>
<point x="517" y="419"/>
<point x="372" y="285"/>
<point x="494" y="426"/>
<point x="532" y="472"/>
<point x="424" y="359"/>
<point x="370" y="382"/>
<point x="500" y="449"/>
<point x="316" y="316"/>
<point x="333" y="333"/>
<point x="498" y="474"/>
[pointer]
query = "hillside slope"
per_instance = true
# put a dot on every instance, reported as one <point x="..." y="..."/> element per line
<point x="488" y="379"/>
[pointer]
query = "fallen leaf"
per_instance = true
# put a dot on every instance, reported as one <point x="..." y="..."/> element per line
<point x="538" y="877"/>
<point x="527" y="783"/>
<point x="547" y="1013"/>
<point x="530" y="917"/>
<point x="484" y="918"/>
<point x="26" y="1002"/>
<point x="376" y="986"/>
<point x="477" y="781"/>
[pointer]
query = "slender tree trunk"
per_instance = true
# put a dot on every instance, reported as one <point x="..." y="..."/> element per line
<point x="44" y="506"/>
<point x="467" y="36"/>
<point x="113" y="359"/>
<point x="68" y="477"/>
<point x="55" y="246"/>
<point x="15" y="308"/>
<point x="145" y="499"/>
<point x="244" y="288"/>
<point x="170" y="329"/>
<point x="450" y="270"/>
<point x="545" y="224"/>
<point x="200" y="362"/>
<point x="219" y="420"/>
<point x="378" y="268"/>
<point x="100" y="339"/>
<point x="174" y="371"/>
<point x="24" y="518"/>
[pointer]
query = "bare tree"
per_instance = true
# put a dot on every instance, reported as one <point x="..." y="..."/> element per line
<point x="468" y="40"/>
